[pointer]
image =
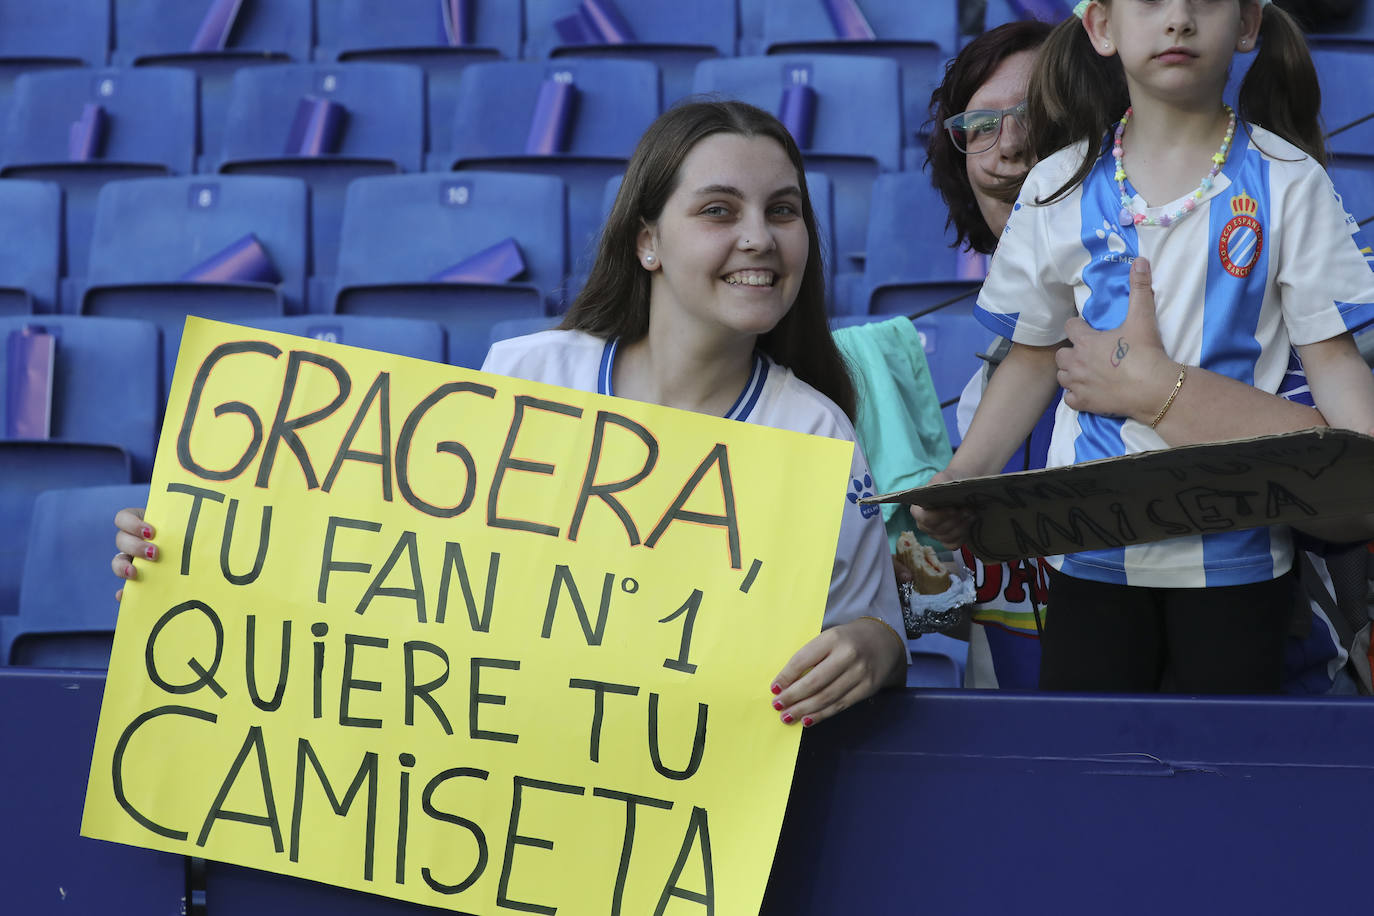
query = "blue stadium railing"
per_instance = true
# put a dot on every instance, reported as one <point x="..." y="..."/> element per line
<point x="941" y="802"/>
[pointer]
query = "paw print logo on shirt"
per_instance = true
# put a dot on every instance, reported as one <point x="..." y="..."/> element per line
<point x="1115" y="243"/>
<point x="861" y="489"/>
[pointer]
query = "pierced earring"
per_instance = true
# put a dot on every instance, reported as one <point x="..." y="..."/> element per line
<point x="649" y="260"/>
<point x="1106" y="45"/>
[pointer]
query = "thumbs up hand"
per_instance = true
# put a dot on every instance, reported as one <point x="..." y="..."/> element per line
<point x="1117" y="372"/>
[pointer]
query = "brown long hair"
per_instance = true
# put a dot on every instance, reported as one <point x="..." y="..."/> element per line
<point x="1077" y="95"/>
<point x="615" y="300"/>
<point x="964" y="75"/>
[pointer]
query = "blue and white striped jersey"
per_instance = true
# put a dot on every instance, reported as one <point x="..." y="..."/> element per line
<point x="1268" y="260"/>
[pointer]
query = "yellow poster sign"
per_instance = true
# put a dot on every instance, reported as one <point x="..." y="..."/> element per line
<point x="461" y="639"/>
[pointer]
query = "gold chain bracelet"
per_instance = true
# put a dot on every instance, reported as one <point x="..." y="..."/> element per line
<point x="1178" y="385"/>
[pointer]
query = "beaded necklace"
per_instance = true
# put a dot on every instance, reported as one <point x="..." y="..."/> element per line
<point x="1127" y="217"/>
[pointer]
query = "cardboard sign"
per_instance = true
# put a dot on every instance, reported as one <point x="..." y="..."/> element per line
<point x="1198" y="489"/>
<point x="460" y="639"/>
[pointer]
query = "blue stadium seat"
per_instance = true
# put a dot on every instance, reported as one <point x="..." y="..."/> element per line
<point x="402" y="336"/>
<point x="919" y="36"/>
<point x="1353" y="177"/>
<point x="162" y="33"/>
<point x="1344" y="74"/>
<point x="151" y="124"/>
<point x="66" y="611"/>
<point x="952" y="339"/>
<point x="150" y="232"/>
<point x="911" y="266"/>
<point x="49" y="724"/>
<point x="383" y="133"/>
<point x="31" y="225"/>
<point x="675" y="36"/>
<point x="28" y="468"/>
<point x="937" y="661"/>
<point x="401" y="231"/>
<point x="852" y="143"/>
<point x="751" y="27"/>
<point x="412" y="32"/>
<point x="1000" y="12"/>
<point x="105" y="382"/>
<point x="1356" y="32"/>
<point x="40" y="36"/>
<point x="60" y="33"/>
<point x="616" y="101"/>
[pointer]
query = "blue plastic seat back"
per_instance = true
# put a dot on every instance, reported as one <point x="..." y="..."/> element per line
<point x="72" y="32"/>
<point x="675" y="36"/>
<point x="151" y="28"/>
<point x="937" y="661"/>
<point x="952" y="339"/>
<point x="852" y="143"/>
<point x="843" y="127"/>
<point x="161" y="32"/>
<point x="616" y="101"/>
<point x="402" y="336"/>
<point x="1353" y="177"/>
<point x="31" y="225"/>
<point x="412" y="31"/>
<point x="28" y="468"/>
<point x="105" y="382"/>
<point x="154" y="230"/>
<point x="1356" y="31"/>
<point x="911" y="263"/>
<point x="406" y="228"/>
<point x="399" y="231"/>
<point x="935" y="22"/>
<point x="66" y="605"/>
<point x="919" y="36"/>
<point x="1000" y="12"/>
<point x="347" y="27"/>
<point x="383" y="133"/>
<point x="151" y="231"/>
<point x="907" y="239"/>
<point x="151" y="130"/>
<point x="1342" y="74"/>
<point x="384" y="104"/>
<point x="49" y="727"/>
<point x="150" y="116"/>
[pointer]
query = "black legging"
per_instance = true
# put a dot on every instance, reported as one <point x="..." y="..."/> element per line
<point x="1109" y="638"/>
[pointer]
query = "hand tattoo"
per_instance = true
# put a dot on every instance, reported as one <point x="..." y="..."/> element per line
<point x="1122" y="348"/>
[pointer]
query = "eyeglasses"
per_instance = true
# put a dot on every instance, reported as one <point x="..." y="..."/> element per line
<point x="977" y="131"/>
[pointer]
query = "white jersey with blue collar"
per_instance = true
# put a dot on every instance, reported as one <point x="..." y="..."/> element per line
<point x="1269" y="259"/>
<point x="861" y="581"/>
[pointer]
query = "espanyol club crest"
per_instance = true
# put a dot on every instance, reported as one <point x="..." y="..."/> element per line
<point x="1242" y="239"/>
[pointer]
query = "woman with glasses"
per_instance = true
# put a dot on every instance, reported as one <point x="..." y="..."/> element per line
<point x="976" y="162"/>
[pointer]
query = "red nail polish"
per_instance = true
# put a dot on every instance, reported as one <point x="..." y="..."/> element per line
<point x="777" y="704"/>
<point x="776" y="689"/>
<point x="147" y="533"/>
<point x="807" y="721"/>
<point x="787" y="718"/>
<point x="150" y="552"/>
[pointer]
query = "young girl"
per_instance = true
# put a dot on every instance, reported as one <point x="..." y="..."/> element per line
<point x="707" y="295"/>
<point x="1253" y="256"/>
